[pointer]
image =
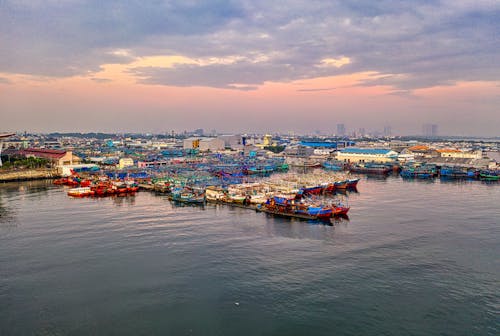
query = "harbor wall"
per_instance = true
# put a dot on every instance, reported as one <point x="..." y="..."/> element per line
<point x="28" y="174"/>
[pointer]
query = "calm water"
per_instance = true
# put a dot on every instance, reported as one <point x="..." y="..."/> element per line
<point x="415" y="258"/>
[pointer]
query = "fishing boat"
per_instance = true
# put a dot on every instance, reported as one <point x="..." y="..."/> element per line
<point x="188" y="195"/>
<point x="453" y="173"/>
<point x="370" y="168"/>
<point x="162" y="187"/>
<point x="311" y="190"/>
<point x="340" y="184"/>
<point x="260" y="170"/>
<point x="282" y="167"/>
<point x="132" y="186"/>
<point x="420" y="172"/>
<point x="80" y="192"/>
<point x="352" y="183"/>
<point x="306" y="164"/>
<point x="489" y="176"/>
<point x="67" y="181"/>
<point x="292" y="208"/>
<point x="339" y="209"/>
<point x="104" y="188"/>
<point x="334" y="166"/>
<point x="120" y="188"/>
<point x="320" y="212"/>
<point x="215" y="194"/>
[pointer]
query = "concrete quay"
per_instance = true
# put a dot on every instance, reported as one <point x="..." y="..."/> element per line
<point x="28" y="174"/>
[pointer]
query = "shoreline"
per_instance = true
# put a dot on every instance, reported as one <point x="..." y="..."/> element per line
<point x="28" y="175"/>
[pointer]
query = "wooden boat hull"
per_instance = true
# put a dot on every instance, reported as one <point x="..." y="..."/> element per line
<point x="486" y="177"/>
<point x="352" y="183"/>
<point x="291" y="215"/>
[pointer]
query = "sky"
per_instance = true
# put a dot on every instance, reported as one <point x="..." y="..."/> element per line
<point x="298" y="66"/>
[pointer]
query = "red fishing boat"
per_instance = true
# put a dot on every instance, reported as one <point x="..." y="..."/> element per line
<point x="81" y="192"/>
<point x="352" y="183"/>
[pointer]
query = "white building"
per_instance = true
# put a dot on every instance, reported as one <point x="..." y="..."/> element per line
<point x="232" y="141"/>
<point x="211" y="144"/>
<point x="379" y="155"/>
<point x="125" y="162"/>
<point x="458" y="154"/>
<point x="204" y="144"/>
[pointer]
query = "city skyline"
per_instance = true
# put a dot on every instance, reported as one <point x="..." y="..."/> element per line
<point x="239" y="66"/>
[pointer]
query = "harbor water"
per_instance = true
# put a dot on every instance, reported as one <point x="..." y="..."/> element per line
<point x="414" y="258"/>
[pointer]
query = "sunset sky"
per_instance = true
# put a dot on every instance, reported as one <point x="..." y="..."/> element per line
<point x="250" y="66"/>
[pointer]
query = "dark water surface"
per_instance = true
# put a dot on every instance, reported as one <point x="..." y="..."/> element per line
<point x="415" y="258"/>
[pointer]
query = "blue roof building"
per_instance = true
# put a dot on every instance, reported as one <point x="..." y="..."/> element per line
<point x="326" y="144"/>
<point x="379" y="155"/>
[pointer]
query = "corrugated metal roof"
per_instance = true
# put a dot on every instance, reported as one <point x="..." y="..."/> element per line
<point x="419" y="148"/>
<point x="43" y="153"/>
<point x="449" y="150"/>
<point x="323" y="144"/>
<point x="369" y="151"/>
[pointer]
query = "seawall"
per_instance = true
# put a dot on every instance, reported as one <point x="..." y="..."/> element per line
<point x="28" y="174"/>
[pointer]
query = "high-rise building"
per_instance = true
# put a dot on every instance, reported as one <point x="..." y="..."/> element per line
<point x="387" y="131"/>
<point x="340" y="130"/>
<point x="430" y="130"/>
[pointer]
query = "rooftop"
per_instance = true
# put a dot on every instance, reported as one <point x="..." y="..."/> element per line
<point x="44" y="153"/>
<point x="419" y="148"/>
<point x="371" y="151"/>
<point x="449" y="150"/>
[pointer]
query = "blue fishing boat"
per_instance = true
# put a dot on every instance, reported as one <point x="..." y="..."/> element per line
<point x="188" y="195"/>
<point x="293" y="208"/>
<point x="419" y="172"/>
<point x="370" y="168"/>
<point x="453" y="173"/>
<point x="334" y="166"/>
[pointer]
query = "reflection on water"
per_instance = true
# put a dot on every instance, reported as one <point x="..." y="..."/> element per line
<point x="179" y="204"/>
<point x="415" y="257"/>
<point x="28" y="187"/>
<point x="120" y="200"/>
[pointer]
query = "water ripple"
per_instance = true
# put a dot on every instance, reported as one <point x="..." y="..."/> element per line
<point x="414" y="258"/>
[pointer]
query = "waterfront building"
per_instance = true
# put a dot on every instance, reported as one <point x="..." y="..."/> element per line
<point x="51" y="143"/>
<point x="267" y="140"/>
<point x="211" y="144"/>
<point x="3" y="136"/>
<point x="15" y="143"/>
<point x="232" y="141"/>
<point x="204" y="144"/>
<point x="483" y="163"/>
<point x="68" y="170"/>
<point x="456" y="153"/>
<point x="377" y="155"/>
<point x="125" y="162"/>
<point x="421" y="151"/>
<point x="56" y="157"/>
<point x="191" y="143"/>
<point x="161" y="145"/>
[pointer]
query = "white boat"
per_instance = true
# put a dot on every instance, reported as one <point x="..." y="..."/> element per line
<point x="80" y="192"/>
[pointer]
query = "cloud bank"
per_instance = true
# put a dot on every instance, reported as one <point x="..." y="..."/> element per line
<point x="243" y="44"/>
